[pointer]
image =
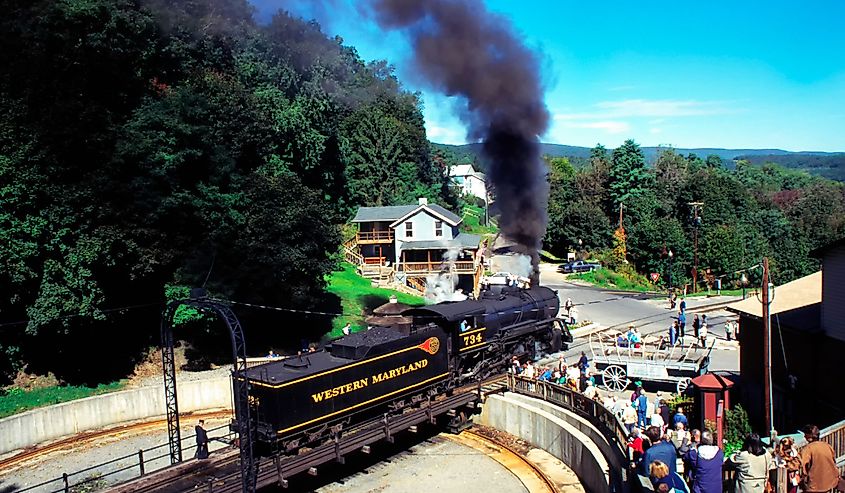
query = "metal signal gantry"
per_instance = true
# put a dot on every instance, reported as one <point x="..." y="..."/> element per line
<point x="244" y="423"/>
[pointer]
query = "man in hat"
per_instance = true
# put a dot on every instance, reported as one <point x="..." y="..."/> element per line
<point x="638" y="386"/>
<point x="202" y="441"/>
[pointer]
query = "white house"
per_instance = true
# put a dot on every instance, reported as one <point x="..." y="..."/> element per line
<point x="470" y="181"/>
<point x="411" y="242"/>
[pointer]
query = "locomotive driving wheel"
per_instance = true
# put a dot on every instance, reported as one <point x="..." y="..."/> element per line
<point x="614" y="378"/>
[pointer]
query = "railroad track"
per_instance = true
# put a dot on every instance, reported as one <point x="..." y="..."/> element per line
<point x="75" y="441"/>
<point x="535" y="481"/>
<point x="221" y="473"/>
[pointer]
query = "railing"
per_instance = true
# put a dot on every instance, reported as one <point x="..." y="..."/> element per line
<point x="375" y="236"/>
<point x="462" y="267"/>
<point x="602" y="418"/>
<point x="93" y="478"/>
<point x="374" y="260"/>
<point x="835" y="436"/>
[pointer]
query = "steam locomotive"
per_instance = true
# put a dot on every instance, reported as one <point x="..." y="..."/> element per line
<point x="303" y="399"/>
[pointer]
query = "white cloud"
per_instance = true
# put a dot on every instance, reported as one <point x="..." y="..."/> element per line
<point x="650" y="108"/>
<point x="609" y="126"/>
<point x="445" y="135"/>
<point x="654" y="130"/>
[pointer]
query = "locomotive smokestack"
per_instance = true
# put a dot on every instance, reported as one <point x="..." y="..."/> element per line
<point x="463" y="50"/>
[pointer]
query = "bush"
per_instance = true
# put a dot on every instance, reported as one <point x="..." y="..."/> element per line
<point x="736" y="429"/>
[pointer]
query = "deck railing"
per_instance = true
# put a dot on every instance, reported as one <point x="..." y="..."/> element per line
<point x="461" y="267"/>
<point x="375" y="236"/>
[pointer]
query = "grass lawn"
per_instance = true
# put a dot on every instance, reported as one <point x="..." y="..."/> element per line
<point x="473" y="216"/>
<point x="355" y="294"/>
<point x="606" y="278"/>
<point x="17" y="400"/>
<point x="724" y="292"/>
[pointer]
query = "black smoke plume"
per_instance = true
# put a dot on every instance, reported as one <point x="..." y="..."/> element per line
<point x="464" y="50"/>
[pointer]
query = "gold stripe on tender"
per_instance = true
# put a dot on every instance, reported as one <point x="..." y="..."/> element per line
<point x="363" y="403"/>
<point x="370" y="360"/>
<point x="474" y="346"/>
<point x="471" y="331"/>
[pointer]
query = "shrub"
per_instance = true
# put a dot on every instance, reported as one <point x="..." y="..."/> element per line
<point x="736" y="429"/>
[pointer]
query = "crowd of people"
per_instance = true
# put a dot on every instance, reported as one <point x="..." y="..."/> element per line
<point x="677" y="460"/>
<point x="576" y="377"/>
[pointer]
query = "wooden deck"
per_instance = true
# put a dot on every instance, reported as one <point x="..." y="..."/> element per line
<point x="425" y="268"/>
<point x="373" y="237"/>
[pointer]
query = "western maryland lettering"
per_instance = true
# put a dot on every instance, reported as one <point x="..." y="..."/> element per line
<point x="374" y="379"/>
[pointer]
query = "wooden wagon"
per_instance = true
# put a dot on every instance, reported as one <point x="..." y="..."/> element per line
<point x="654" y="360"/>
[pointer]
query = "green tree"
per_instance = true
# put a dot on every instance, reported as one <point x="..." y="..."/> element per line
<point x="628" y="173"/>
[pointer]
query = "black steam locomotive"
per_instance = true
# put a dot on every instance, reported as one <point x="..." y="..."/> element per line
<point x="303" y="399"/>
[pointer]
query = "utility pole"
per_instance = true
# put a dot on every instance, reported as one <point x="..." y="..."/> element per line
<point x="696" y="222"/>
<point x="767" y="347"/>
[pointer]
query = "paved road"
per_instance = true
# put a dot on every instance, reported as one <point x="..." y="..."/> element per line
<point x="650" y="314"/>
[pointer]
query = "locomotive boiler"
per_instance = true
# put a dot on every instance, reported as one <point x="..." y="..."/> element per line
<point x="306" y="398"/>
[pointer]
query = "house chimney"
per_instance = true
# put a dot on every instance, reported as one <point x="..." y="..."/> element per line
<point x="423" y="201"/>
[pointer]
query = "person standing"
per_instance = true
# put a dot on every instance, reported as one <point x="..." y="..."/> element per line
<point x="629" y="417"/>
<point x="682" y="323"/>
<point x="658" y="451"/>
<point x="818" y="463"/>
<point x="202" y="441"/>
<point x="696" y="324"/>
<point x="703" y="331"/>
<point x="673" y="333"/>
<point x="583" y="363"/>
<point x="705" y="465"/>
<point x="683" y="305"/>
<point x="642" y="409"/>
<point x="664" y="412"/>
<point x="680" y="417"/>
<point x="752" y="465"/>
<point x="729" y="325"/>
<point x="786" y="457"/>
<point x="568" y="306"/>
<point x="347" y="329"/>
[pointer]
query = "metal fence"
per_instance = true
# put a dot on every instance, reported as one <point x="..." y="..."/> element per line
<point x="122" y="468"/>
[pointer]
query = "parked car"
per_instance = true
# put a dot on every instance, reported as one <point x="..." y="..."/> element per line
<point x="580" y="266"/>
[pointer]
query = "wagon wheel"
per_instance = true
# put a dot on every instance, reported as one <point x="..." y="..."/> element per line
<point x="614" y="378"/>
<point x="682" y="384"/>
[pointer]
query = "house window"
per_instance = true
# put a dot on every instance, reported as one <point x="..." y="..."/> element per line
<point x="409" y="229"/>
<point x="438" y="228"/>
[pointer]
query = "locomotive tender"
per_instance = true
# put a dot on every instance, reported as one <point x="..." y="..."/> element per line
<point x="304" y="399"/>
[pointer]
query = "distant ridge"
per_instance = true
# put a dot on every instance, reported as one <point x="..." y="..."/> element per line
<point x="650" y="152"/>
<point x="827" y="164"/>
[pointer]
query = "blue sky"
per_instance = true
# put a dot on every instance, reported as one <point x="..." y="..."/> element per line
<point x="747" y="74"/>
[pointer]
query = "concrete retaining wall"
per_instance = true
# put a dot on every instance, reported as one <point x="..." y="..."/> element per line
<point x="70" y="418"/>
<point x="551" y="428"/>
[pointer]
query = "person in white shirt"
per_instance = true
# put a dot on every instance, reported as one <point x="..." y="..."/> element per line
<point x="529" y="370"/>
<point x="590" y="391"/>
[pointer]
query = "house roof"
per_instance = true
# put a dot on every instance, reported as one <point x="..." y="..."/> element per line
<point x="465" y="170"/>
<point x="398" y="213"/>
<point x="819" y="252"/>
<point x="388" y="213"/>
<point x="462" y="240"/>
<point x="433" y="210"/>
<point x="799" y="293"/>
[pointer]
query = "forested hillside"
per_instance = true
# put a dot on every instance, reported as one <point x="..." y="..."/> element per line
<point x="745" y="213"/>
<point x="826" y="164"/>
<point x="150" y="146"/>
